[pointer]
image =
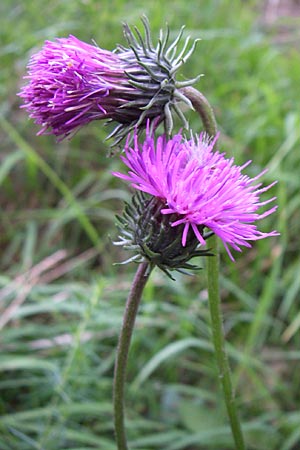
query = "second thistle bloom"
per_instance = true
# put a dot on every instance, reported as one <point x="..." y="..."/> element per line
<point x="199" y="188"/>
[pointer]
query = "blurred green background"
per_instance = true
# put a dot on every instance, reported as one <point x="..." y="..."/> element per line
<point x="62" y="297"/>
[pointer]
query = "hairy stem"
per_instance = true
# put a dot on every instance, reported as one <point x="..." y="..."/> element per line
<point x="206" y="113"/>
<point x="131" y="310"/>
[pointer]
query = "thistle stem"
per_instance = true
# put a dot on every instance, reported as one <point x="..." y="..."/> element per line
<point x="131" y="310"/>
<point x="219" y="343"/>
<point x="206" y="113"/>
<point x="203" y="108"/>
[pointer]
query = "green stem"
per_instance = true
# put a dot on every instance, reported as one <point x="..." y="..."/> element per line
<point x="219" y="343"/>
<point x="131" y="310"/>
<point x="206" y="113"/>
<point x="203" y="108"/>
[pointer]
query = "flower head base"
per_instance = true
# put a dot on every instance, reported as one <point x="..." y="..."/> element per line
<point x="201" y="187"/>
<point x="150" y="235"/>
<point x="72" y="83"/>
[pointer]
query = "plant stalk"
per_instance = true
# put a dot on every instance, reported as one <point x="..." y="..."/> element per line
<point x="219" y="343"/>
<point x="206" y="113"/>
<point x="203" y="108"/>
<point x="131" y="309"/>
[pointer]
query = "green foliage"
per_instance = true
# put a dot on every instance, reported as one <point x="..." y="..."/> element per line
<point x="62" y="297"/>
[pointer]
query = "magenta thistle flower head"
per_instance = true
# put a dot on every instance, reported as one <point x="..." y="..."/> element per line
<point x="72" y="83"/>
<point x="199" y="188"/>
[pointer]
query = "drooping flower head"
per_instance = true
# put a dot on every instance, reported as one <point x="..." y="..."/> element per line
<point x="72" y="83"/>
<point x="198" y="188"/>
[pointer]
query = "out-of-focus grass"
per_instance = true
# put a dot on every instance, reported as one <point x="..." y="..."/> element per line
<point x="61" y="296"/>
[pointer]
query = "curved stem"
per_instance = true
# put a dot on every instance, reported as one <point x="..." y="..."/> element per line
<point x="131" y="310"/>
<point x="203" y="108"/>
<point x="206" y="113"/>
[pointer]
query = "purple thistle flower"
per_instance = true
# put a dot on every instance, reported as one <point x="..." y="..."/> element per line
<point x="72" y="83"/>
<point x="201" y="187"/>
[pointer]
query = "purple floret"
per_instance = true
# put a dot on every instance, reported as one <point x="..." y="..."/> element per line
<point x="73" y="83"/>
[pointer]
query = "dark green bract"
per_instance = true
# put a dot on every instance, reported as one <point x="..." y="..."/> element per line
<point x="149" y="233"/>
<point x="151" y="72"/>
